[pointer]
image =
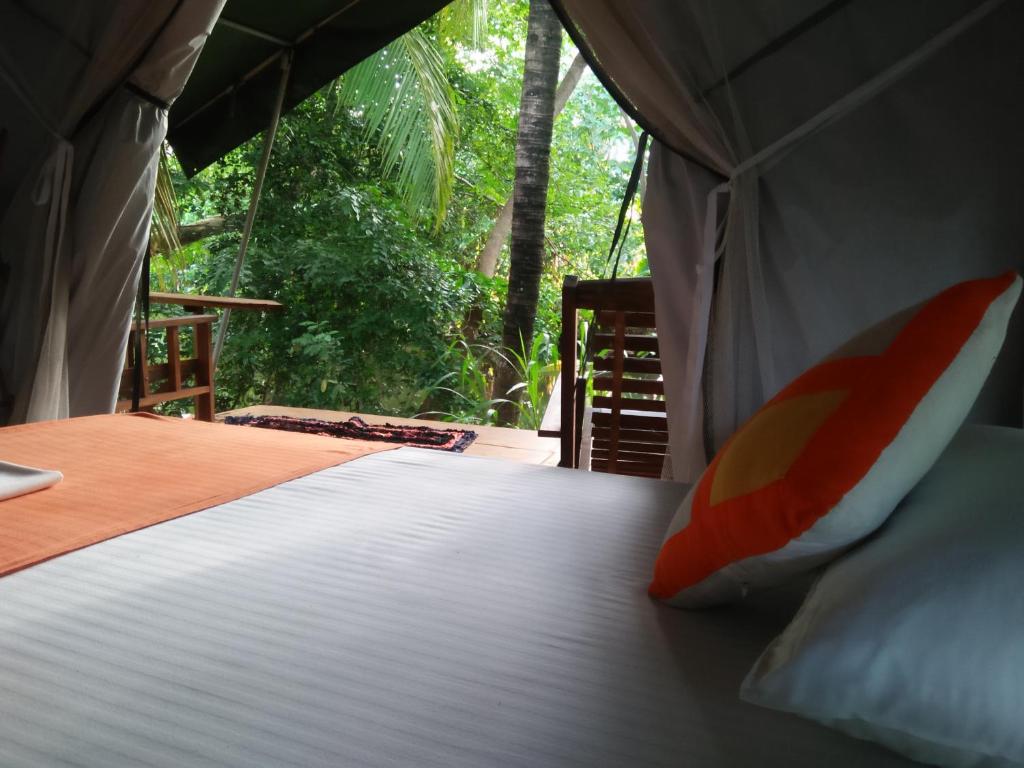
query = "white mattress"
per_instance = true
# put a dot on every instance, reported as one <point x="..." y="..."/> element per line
<point x="411" y="608"/>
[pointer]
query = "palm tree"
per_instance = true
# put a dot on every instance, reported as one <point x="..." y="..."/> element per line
<point x="487" y="260"/>
<point x="533" y="154"/>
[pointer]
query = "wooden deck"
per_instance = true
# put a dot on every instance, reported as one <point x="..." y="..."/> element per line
<point x="520" y="445"/>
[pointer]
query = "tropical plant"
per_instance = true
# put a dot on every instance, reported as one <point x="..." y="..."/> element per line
<point x="536" y="370"/>
<point x="376" y="295"/>
<point x="469" y="381"/>
<point x="163" y="231"/>
<point x="464" y="20"/>
<point x="407" y="104"/>
<point x="405" y="99"/>
<point x="466" y="385"/>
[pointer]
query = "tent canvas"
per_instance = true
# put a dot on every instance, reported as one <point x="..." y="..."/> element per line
<point x="818" y="166"/>
<point x="84" y="89"/>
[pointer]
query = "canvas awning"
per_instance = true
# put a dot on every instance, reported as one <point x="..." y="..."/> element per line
<point x="231" y="95"/>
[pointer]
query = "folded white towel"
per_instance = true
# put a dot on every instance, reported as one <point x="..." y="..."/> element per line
<point x="16" y="480"/>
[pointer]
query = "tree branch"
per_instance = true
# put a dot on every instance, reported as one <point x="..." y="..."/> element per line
<point x="208" y="227"/>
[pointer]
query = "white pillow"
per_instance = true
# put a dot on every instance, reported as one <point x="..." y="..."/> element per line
<point x="824" y="462"/>
<point x="916" y="638"/>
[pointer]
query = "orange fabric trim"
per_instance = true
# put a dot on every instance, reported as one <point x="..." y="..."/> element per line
<point x="883" y="393"/>
<point x="126" y="472"/>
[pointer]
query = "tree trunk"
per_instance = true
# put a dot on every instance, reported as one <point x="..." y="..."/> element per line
<point x="204" y="228"/>
<point x="530" y="192"/>
<point x="487" y="261"/>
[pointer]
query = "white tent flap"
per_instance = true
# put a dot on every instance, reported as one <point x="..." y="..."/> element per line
<point x="83" y="89"/>
<point x="861" y="144"/>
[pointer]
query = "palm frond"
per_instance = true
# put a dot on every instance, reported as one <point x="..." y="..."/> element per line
<point x="465" y="21"/>
<point x="163" y="233"/>
<point x="408" y="106"/>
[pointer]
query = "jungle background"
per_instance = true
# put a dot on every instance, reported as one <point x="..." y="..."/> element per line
<point x="382" y="192"/>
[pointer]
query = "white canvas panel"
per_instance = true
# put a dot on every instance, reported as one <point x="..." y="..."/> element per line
<point x="75" y="204"/>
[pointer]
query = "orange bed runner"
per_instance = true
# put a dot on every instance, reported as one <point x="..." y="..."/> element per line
<point x="126" y="472"/>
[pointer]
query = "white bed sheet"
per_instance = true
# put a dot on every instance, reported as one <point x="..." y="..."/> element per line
<point x="410" y="608"/>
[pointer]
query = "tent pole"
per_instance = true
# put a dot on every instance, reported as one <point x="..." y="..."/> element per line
<point x="254" y="201"/>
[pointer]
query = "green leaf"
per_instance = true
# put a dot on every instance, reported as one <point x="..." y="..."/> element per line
<point x="464" y="20"/>
<point x="408" y="106"/>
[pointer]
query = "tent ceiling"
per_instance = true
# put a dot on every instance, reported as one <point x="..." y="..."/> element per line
<point x="230" y="96"/>
<point x="747" y="33"/>
<point x="706" y="44"/>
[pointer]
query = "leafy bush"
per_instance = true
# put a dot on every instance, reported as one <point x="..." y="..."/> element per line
<point x="468" y="383"/>
<point x="367" y="310"/>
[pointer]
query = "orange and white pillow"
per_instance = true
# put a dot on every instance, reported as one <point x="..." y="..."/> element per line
<point x="823" y="463"/>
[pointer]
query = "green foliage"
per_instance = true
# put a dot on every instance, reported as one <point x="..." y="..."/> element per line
<point x="367" y="309"/>
<point x="536" y="370"/>
<point x="406" y="102"/>
<point x="168" y="270"/>
<point x="464" y="20"/>
<point x="466" y="385"/>
<point x="376" y="285"/>
<point x="468" y="382"/>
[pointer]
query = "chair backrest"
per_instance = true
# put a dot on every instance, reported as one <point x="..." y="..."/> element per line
<point x="180" y="377"/>
<point x="625" y="429"/>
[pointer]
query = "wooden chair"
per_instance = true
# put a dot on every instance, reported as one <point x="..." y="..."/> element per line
<point x="180" y="378"/>
<point x="624" y="429"/>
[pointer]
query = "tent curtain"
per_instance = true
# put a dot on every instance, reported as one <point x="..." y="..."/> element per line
<point x="642" y="49"/>
<point x="85" y="88"/>
<point x="725" y="97"/>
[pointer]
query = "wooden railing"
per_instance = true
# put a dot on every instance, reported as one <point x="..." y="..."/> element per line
<point x="180" y="378"/>
<point x="624" y="430"/>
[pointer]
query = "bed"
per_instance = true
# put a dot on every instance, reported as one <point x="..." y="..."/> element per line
<point x="409" y="607"/>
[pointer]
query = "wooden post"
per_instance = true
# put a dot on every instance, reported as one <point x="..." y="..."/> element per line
<point x="254" y="201"/>
<point x="619" y="350"/>
<point x="580" y="411"/>
<point x="174" y="357"/>
<point x="205" y="406"/>
<point x="567" y="352"/>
